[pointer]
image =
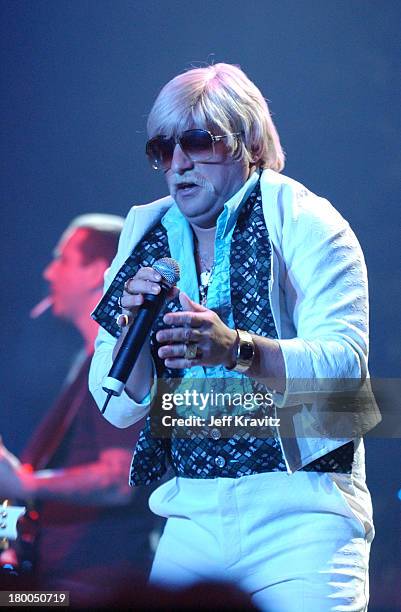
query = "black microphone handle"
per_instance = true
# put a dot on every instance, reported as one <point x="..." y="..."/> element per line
<point x="136" y="335"/>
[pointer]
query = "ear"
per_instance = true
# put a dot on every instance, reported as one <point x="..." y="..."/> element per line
<point x="95" y="272"/>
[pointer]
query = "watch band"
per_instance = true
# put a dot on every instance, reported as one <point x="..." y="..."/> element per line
<point x="245" y="352"/>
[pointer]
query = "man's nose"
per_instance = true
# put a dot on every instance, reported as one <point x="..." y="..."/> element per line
<point x="181" y="162"/>
<point x="48" y="272"/>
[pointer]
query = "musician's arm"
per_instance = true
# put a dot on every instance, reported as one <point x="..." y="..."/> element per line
<point x="101" y="483"/>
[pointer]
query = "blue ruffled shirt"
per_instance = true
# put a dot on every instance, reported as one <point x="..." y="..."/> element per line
<point x="180" y="239"/>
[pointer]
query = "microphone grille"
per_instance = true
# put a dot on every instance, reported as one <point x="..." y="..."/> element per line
<point x="169" y="269"/>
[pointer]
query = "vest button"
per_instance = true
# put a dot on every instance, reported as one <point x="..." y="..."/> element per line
<point x="215" y="434"/>
<point x="220" y="461"/>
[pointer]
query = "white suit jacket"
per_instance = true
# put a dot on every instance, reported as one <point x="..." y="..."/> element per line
<point x="319" y="300"/>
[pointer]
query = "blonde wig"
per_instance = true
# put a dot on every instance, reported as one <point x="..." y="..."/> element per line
<point x="222" y="99"/>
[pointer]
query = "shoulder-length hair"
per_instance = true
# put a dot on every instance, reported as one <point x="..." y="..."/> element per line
<point x="222" y="99"/>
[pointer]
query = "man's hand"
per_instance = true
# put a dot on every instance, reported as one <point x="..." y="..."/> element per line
<point x="197" y="325"/>
<point x="101" y="483"/>
<point x="146" y="281"/>
<point x="13" y="478"/>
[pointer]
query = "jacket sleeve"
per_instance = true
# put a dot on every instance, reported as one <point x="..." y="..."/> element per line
<point x="324" y="291"/>
<point x="121" y="411"/>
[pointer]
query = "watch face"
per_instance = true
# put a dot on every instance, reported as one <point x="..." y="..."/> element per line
<point x="246" y="351"/>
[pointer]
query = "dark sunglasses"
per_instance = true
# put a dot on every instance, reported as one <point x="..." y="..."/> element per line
<point x="197" y="144"/>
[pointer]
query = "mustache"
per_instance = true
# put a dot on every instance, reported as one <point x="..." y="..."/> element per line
<point x="196" y="179"/>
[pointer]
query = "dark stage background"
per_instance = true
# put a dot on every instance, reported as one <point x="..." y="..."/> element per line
<point x="78" y="78"/>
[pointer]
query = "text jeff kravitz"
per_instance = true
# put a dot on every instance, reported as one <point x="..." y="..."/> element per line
<point x="226" y="420"/>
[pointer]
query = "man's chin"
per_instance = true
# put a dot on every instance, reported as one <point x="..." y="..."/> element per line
<point x="197" y="208"/>
<point x="58" y="311"/>
<point x="203" y="219"/>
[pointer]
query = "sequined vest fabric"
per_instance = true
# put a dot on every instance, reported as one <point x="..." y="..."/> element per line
<point x="205" y="455"/>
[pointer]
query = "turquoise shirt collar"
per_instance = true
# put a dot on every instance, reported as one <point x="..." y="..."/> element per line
<point x="180" y="235"/>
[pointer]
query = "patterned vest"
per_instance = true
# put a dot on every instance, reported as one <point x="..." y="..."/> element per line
<point x="204" y="454"/>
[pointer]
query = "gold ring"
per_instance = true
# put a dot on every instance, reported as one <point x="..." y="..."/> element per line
<point x="126" y="288"/>
<point x="191" y="350"/>
<point x="122" y="320"/>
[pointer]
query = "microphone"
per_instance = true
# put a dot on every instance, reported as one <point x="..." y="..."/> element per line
<point x="133" y="342"/>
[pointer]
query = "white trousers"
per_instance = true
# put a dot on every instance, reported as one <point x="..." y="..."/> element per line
<point x="296" y="542"/>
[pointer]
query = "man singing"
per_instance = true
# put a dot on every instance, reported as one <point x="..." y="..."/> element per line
<point x="273" y="297"/>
